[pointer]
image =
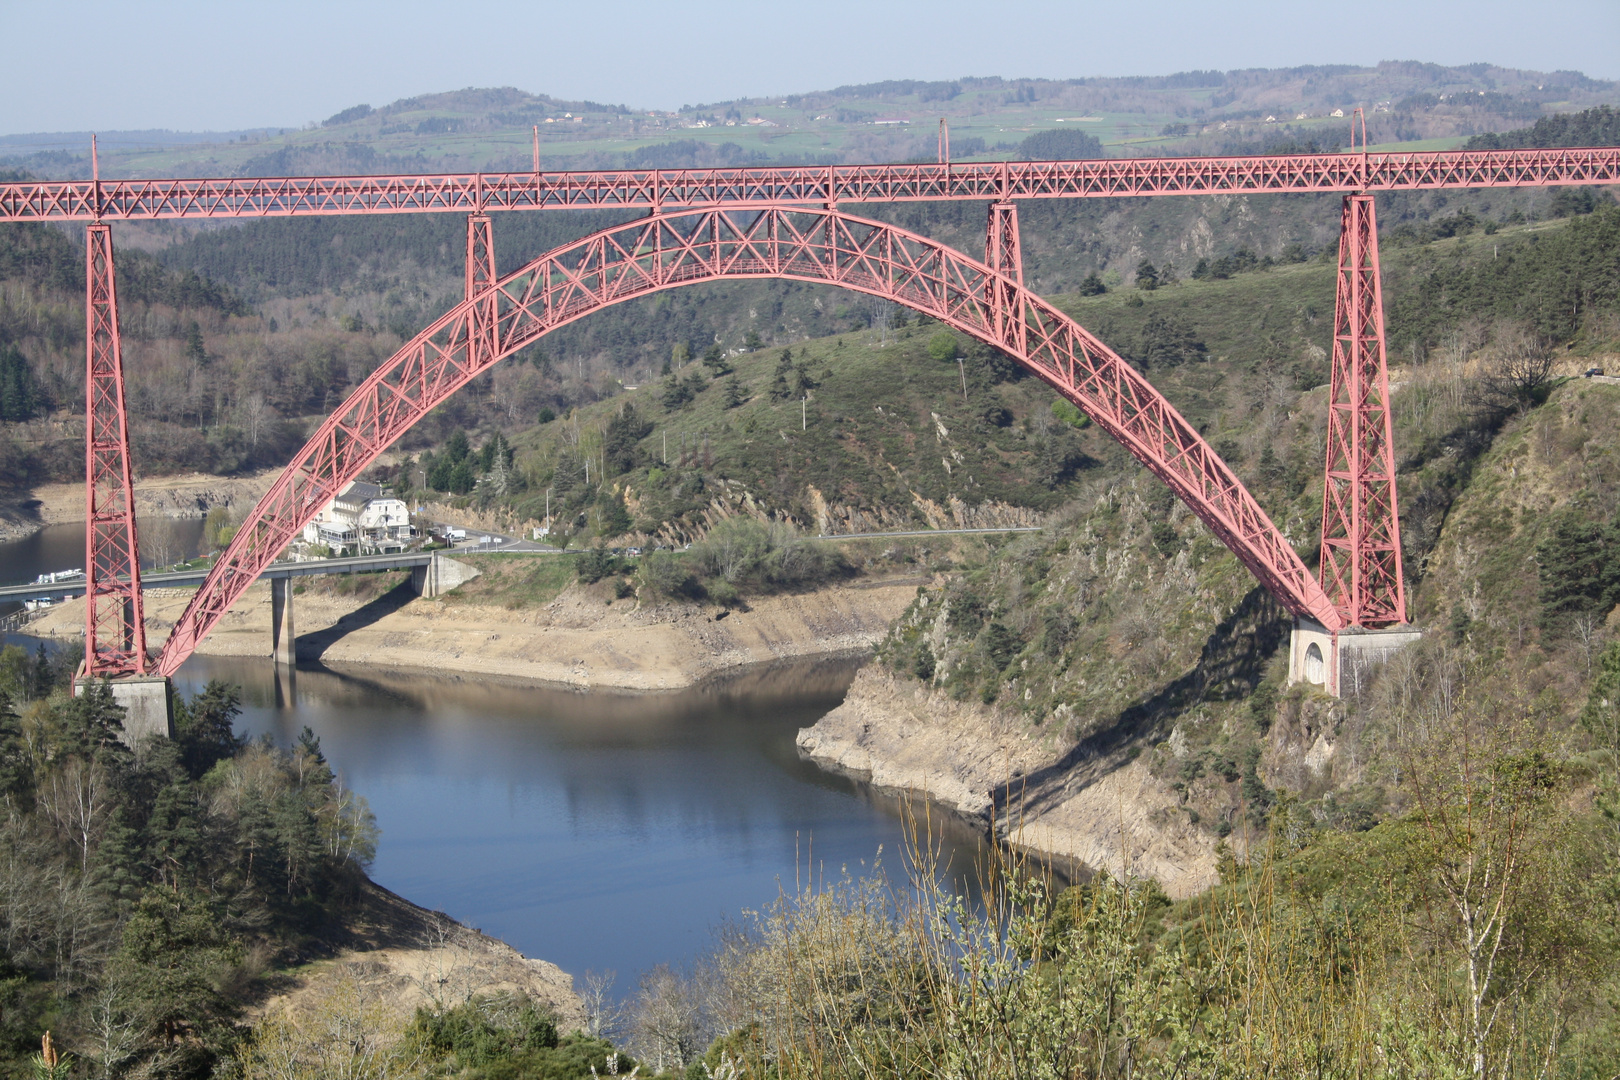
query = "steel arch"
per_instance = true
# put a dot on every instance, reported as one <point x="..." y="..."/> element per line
<point x="816" y="245"/>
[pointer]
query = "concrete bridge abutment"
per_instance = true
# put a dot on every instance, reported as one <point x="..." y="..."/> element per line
<point x="146" y="705"/>
<point x="1338" y="662"/>
<point x="440" y="575"/>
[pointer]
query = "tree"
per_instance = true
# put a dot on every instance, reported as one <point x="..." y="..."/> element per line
<point x="621" y="449"/>
<point x="172" y="958"/>
<point x="1059" y="145"/>
<point x="780" y="389"/>
<point x="1167" y="342"/>
<point x="715" y="361"/>
<point x="205" y="729"/>
<point x="612" y="517"/>
<point x="734" y="395"/>
<point x="1092" y="285"/>
<point x="456" y="447"/>
<point x="217" y="528"/>
<point x="1498" y="890"/>
<point x="803" y="382"/>
<point x="1518" y="372"/>
<point x="16" y="761"/>
<point x="1147" y="277"/>
<point x="1579" y="572"/>
<point x="752" y="341"/>
<point x="195" y="352"/>
<point x="20" y="396"/>
<point x="943" y="346"/>
<point x="462" y="479"/>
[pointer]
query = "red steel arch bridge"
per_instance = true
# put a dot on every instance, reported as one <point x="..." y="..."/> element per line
<point x="716" y="224"/>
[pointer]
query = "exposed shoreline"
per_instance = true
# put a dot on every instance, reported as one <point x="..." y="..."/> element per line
<point x="184" y="495"/>
<point x="1080" y="812"/>
<point x="579" y="640"/>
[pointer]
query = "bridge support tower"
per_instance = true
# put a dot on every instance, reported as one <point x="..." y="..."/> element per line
<point x="1360" y="567"/>
<point x="114" y="629"/>
<point x="146" y="705"/>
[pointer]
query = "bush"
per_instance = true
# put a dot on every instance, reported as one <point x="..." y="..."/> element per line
<point x="748" y="555"/>
<point x="596" y="563"/>
<point x="943" y="346"/>
<point x="666" y="575"/>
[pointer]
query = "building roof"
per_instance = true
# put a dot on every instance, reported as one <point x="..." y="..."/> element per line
<point x="359" y="492"/>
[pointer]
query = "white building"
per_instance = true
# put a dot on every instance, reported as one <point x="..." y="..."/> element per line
<point x="361" y="520"/>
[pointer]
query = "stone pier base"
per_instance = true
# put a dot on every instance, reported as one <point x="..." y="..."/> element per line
<point x="1337" y="663"/>
<point x="145" y="700"/>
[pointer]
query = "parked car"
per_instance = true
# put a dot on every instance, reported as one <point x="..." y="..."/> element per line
<point x="1591" y="371"/>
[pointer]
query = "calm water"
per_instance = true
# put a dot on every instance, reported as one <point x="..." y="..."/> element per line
<point x="594" y="830"/>
<point x="61" y="547"/>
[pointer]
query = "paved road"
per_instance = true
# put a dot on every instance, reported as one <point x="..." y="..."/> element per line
<point x="183" y="578"/>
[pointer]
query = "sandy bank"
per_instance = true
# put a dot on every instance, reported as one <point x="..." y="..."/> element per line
<point x="405" y="956"/>
<point x="989" y="769"/>
<point x="576" y="640"/>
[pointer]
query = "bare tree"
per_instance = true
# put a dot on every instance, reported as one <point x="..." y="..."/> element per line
<point x="76" y="799"/>
<point x="158" y="540"/>
<point x="1588" y="631"/>
<point x="1518" y="365"/>
<point x="602" y="1013"/>
<point x="668" y="1025"/>
<point x="254" y="415"/>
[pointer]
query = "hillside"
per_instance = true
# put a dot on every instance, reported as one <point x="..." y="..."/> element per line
<point x="1411" y="104"/>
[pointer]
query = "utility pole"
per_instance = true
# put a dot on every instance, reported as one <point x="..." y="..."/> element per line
<point x="548" y="512"/>
<point x="804" y="415"/>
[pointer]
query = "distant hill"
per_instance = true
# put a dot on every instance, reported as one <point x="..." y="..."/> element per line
<point x="1407" y="103"/>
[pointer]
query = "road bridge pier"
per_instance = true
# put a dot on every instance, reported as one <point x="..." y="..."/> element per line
<point x="283" y="636"/>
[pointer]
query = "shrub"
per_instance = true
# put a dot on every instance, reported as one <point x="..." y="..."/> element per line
<point x="663" y="574"/>
<point x="596" y="563"/>
<point x="943" y="346"/>
<point x="747" y="554"/>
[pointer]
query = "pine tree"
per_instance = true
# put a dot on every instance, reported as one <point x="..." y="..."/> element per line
<point x="206" y="730"/>
<point x="780" y="388"/>
<point x="734" y="395"/>
<point x="16" y="762"/>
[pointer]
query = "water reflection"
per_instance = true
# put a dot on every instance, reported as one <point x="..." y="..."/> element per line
<point x="61" y="547"/>
<point x="596" y="830"/>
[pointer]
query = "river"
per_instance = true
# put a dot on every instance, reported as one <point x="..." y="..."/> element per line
<point x="595" y="830"/>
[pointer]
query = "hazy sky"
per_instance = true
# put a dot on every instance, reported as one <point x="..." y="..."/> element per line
<point x="218" y="65"/>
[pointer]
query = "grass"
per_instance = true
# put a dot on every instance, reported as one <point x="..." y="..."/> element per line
<point x="514" y="581"/>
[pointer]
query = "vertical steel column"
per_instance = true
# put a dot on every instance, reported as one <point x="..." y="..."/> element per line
<point x="1361" y="533"/>
<point x="1003" y="254"/>
<point x="480" y="278"/>
<point x="114" y="630"/>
